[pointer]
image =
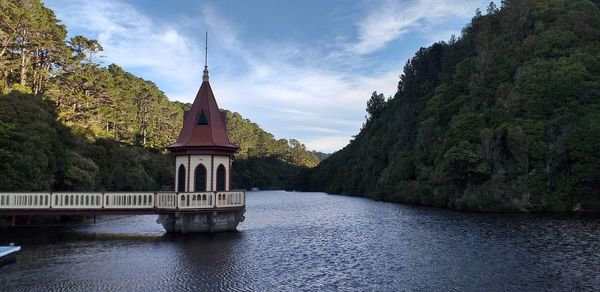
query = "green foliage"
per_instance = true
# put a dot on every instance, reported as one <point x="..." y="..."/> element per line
<point x="375" y="105"/>
<point x="31" y="43"/>
<point x="112" y="103"/>
<point x="503" y="118"/>
<point x="38" y="153"/>
<point x="264" y="173"/>
<point x="464" y="165"/>
<point x="256" y="142"/>
<point x="80" y="172"/>
<point x="583" y="145"/>
<point x="67" y="123"/>
<point x="32" y="151"/>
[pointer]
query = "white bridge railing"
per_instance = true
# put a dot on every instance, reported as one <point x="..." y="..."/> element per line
<point x="122" y="200"/>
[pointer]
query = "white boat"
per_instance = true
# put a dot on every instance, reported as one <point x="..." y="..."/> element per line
<point x="8" y="250"/>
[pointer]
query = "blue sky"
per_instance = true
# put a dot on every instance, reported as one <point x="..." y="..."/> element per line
<point x="299" y="69"/>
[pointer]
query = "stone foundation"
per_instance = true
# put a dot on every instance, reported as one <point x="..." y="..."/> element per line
<point x="201" y="222"/>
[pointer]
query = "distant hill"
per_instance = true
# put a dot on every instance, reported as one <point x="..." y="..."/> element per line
<point x="322" y="156"/>
<point x="505" y="117"/>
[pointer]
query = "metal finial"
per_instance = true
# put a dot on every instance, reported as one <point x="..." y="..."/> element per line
<point x="205" y="75"/>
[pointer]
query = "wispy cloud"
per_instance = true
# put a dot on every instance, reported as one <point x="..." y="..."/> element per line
<point x="137" y="42"/>
<point x="314" y="92"/>
<point x="307" y="99"/>
<point x="303" y="102"/>
<point x="328" y="142"/>
<point x="389" y="19"/>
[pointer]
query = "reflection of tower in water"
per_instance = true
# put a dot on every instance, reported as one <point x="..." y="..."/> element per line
<point x="213" y="261"/>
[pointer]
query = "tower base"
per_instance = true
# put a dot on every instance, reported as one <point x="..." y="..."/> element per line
<point x="201" y="222"/>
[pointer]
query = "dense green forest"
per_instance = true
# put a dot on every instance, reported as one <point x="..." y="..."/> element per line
<point x="68" y="123"/>
<point x="505" y="117"/>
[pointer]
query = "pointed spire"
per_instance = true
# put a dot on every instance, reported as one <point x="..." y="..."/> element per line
<point x="204" y="127"/>
<point x="205" y="75"/>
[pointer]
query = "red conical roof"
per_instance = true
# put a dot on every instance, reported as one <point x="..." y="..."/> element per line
<point x="203" y="126"/>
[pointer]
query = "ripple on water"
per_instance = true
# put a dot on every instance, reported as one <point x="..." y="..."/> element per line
<point x="313" y="241"/>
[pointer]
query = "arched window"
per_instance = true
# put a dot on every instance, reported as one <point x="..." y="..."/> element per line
<point x="181" y="179"/>
<point x="200" y="178"/>
<point x="221" y="178"/>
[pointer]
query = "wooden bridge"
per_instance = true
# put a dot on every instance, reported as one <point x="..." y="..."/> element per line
<point x="119" y="203"/>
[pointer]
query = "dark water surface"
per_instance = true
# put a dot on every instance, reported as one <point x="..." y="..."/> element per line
<point x="313" y="241"/>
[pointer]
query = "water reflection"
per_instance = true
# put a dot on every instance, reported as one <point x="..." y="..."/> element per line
<point x="311" y="241"/>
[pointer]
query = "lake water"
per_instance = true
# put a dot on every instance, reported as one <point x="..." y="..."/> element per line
<point x="314" y="241"/>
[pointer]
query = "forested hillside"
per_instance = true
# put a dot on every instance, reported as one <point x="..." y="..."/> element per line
<point x="505" y="117"/>
<point x="69" y="123"/>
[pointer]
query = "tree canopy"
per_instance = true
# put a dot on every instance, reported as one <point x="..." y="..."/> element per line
<point x="69" y="123"/>
<point x="502" y="118"/>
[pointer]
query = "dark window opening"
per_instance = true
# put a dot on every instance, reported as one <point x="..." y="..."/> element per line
<point x="202" y="119"/>
<point x="181" y="179"/>
<point x="200" y="178"/>
<point x="221" y="178"/>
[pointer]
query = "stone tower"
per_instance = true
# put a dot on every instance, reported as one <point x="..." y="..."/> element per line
<point x="203" y="155"/>
<point x="203" y="152"/>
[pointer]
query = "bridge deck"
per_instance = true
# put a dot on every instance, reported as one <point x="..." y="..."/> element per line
<point x="119" y="203"/>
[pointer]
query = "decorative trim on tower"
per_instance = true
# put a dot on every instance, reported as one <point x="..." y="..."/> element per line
<point x="205" y="75"/>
